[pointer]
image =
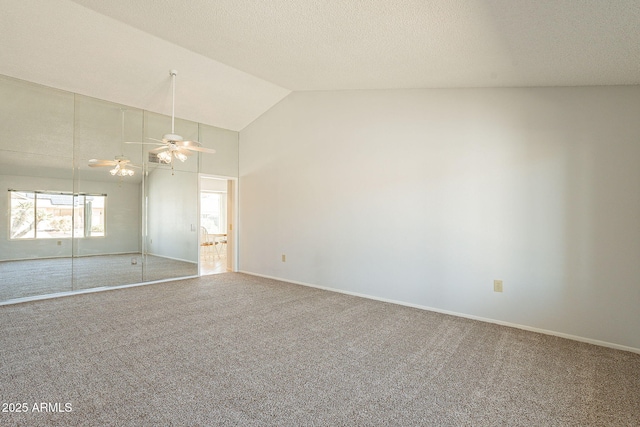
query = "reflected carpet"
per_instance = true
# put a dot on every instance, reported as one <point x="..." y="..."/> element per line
<point x="27" y="278"/>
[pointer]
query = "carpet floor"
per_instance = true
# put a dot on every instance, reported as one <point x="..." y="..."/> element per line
<point x="237" y="350"/>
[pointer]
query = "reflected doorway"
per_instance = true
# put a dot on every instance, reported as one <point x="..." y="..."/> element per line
<point x="215" y="212"/>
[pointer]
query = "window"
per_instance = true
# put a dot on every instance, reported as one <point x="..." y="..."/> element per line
<point x="49" y="215"/>
<point x="213" y="212"/>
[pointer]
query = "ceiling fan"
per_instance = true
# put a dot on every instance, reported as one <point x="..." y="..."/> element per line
<point x="121" y="164"/>
<point x="173" y="145"/>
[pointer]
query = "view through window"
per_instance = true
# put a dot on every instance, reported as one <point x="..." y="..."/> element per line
<point x="50" y="215"/>
<point x="212" y="210"/>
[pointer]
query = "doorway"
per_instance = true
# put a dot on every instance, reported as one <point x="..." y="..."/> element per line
<point x="217" y="210"/>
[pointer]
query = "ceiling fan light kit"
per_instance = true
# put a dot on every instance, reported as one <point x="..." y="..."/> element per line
<point x="120" y="168"/>
<point x="164" y="157"/>
<point x="167" y="156"/>
<point x="121" y="172"/>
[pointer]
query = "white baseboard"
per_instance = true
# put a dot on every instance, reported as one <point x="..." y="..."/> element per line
<point x="453" y="313"/>
<point x="175" y="259"/>
<point x="70" y="257"/>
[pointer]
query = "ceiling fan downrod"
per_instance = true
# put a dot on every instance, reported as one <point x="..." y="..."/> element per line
<point x="173" y="74"/>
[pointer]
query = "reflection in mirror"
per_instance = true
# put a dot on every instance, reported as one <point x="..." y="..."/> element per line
<point x="109" y="252"/>
<point x="70" y="226"/>
<point x="36" y="244"/>
<point x="172" y="198"/>
<point x="36" y="160"/>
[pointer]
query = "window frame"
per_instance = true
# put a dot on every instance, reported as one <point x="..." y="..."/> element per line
<point x="75" y="198"/>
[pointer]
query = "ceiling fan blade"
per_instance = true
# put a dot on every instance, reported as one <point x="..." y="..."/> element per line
<point x="144" y="143"/>
<point x="184" y="151"/>
<point x="201" y="149"/>
<point x="157" y="140"/>
<point x="95" y="163"/>
<point x="158" y="150"/>
<point x="187" y="144"/>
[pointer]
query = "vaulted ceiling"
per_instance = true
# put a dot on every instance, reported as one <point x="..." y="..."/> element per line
<point x="237" y="58"/>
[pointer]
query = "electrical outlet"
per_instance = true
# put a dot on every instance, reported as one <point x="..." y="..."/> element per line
<point x="284" y="258"/>
<point x="497" y="286"/>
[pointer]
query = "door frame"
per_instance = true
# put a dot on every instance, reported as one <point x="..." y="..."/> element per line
<point x="232" y="219"/>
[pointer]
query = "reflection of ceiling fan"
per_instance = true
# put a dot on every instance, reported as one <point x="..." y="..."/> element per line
<point x="173" y="145"/>
<point x="120" y="163"/>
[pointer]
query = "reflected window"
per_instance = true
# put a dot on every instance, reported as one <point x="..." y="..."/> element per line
<point x="52" y="215"/>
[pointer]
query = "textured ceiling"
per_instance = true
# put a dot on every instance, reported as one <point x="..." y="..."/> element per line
<point x="365" y="44"/>
<point x="237" y="58"/>
<point x="64" y="45"/>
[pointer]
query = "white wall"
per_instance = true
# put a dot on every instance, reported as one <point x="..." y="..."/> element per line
<point x="427" y="196"/>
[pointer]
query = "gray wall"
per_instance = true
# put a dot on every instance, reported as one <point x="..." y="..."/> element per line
<point x="426" y="196"/>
